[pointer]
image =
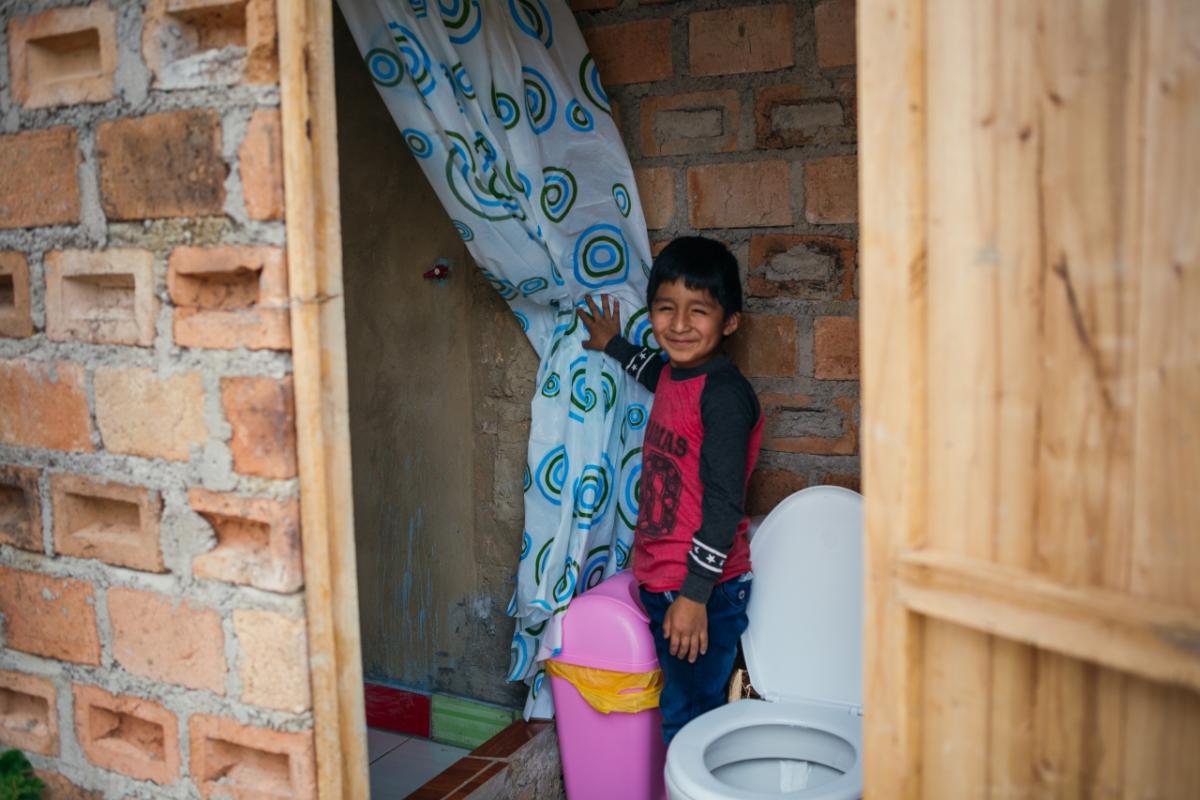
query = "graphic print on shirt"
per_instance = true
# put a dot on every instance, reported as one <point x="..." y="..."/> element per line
<point x="662" y="485"/>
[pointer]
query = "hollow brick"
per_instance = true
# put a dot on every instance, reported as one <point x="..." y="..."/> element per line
<point x="261" y="413"/>
<point x="656" y="188"/>
<point x="43" y="404"/>
<point x="696" y="122"/>
<point x="764" y="346"/>
<point x="39" y="184"/>
<point x="127" y="734"/>
<point x="835" y="348"/>
<point x="768" y="487"/>
<point x="834" y="22"/>
<point x="273" y="664"/>
<point x="260" y="164"/>
<point x="744" y="195"/>
<point x="195" y="43"/>
<point x="632" y="52"/>
<point x="51" y="617"/>
<point x="104" y="297"/>
<point x="258" y="541"/>
<point x="791" y="116"/>
<point x="16" y="320"/>
<point x="167" y="639"/>
<point x="59" y="788"/>
<point x="63" y="56"/>
<point x="161" y="165"/>
<point x="228" y="297"/>
<point x="110" y="522"/>
<point x="244" y="762"/>
<point x="20" y="508"/>
<point x="28" y="713"/>
<point x="803" y="266"/>
<point x="737" y="40"/>
<point x="831" y="190"/>
<point x="142" y="414"/>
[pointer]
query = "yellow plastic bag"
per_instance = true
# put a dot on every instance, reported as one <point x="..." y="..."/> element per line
<point x="607" y="691"/>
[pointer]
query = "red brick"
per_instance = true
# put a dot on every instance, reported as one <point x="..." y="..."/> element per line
<point x="258" y="541"/>
<point x="835" y="33"/>
<point x="111" y="522"/>
<point x="273" y="665"/>
<point x="656" y="188"/>
<point x="593" y="5"/>
<point x="764" y="346"/>
<point x="788" y="116"/>
<point x="229" y="297"/>
<point x="104" y="297"/>
<point x="845" y="444"/>
<point x="769" y="487"/>
<point x="51" y="617"/>
<point x="28" y="713"/>
<point x="632" y="52"/>
<point x="835" y="349"/>
<point x="741" y="195"/>
<point x="43" y="404"/>
<point x="20" y="508"/>
<point x="245" y="763"/>
<point x="59" y="788"/>
<point x="16" y="320"/>
<point x="697" y="122"/>
<point x="846" y="481"/>
<point x="167" y="639"/>
<point x="39" y="184"/>
<point x="736" y="40"/>
<point x="179" y="40"/>
<point x="63" y="56"/>
<point x="161" y="165"/>
<point x="831" y="190"/>
<point x="804" y="266"/>
<point x="127" y="734"/>
<point x="142" y="414"/>
<point x="260" y="164"/>
<point x="260" y="410"/>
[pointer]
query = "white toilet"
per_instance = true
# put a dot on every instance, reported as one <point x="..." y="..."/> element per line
<point x="804" y="653"/>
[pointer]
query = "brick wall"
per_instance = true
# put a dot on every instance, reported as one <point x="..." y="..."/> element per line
<point x="739" y="118"/>
<point x="150" y="583"/>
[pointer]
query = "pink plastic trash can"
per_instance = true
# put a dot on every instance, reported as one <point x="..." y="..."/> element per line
<point x="615" y="755"/>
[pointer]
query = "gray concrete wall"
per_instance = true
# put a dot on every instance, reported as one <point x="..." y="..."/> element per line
<point x="440" y="380"/>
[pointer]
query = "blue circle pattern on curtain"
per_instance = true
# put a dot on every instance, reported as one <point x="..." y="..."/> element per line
<point x="503" y="108"/>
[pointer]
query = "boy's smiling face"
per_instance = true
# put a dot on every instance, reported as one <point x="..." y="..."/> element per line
<point x="689" y="323"/>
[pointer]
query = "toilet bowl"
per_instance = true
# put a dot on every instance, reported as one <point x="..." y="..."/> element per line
<point x="803" y="647"/>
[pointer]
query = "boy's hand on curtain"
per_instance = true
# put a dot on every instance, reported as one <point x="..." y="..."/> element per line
<point x="686" y="625"/>
<point x="603" y="322"/>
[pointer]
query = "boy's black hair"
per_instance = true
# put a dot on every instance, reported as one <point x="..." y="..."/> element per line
<point x="703" y="264"/>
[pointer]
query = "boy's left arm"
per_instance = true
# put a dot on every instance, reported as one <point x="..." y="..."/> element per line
<point x="729" y="411"/>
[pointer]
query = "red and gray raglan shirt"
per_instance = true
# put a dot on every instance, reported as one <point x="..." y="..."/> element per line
<point x="700" y="447"/>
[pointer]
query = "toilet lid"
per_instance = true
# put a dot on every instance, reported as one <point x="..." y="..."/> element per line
<point x="804" y="640"/>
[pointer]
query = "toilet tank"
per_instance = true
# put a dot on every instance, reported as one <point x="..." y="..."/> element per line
<point x="804" y="639"/>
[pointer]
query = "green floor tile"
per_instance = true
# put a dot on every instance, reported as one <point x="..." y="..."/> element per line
<point x="467" y="723"/>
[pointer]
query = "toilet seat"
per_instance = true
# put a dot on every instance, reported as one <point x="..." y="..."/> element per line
<point x="756" y="729"/>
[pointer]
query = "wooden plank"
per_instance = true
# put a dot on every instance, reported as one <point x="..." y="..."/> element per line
<point x="891" y="83"/>
<point x="1143" y="637"/>
<point x="322" y="422"/>
<point x="960" y="406"/>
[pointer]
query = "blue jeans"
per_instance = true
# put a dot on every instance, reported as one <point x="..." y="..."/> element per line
<point x="689" y="690"/>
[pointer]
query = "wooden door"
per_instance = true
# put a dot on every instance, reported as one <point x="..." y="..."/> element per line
<point x="1030" y="193"/>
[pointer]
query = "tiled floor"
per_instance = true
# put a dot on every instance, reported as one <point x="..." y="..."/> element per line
<point x="400" y="764"/>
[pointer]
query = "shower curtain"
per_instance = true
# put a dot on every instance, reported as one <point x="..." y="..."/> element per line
<point x="502" y="105"/>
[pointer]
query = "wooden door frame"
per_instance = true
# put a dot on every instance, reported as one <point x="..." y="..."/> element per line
<point x="314" y="255"/>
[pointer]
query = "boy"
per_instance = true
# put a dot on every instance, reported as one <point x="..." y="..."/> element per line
<point x="690" y="555"/>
